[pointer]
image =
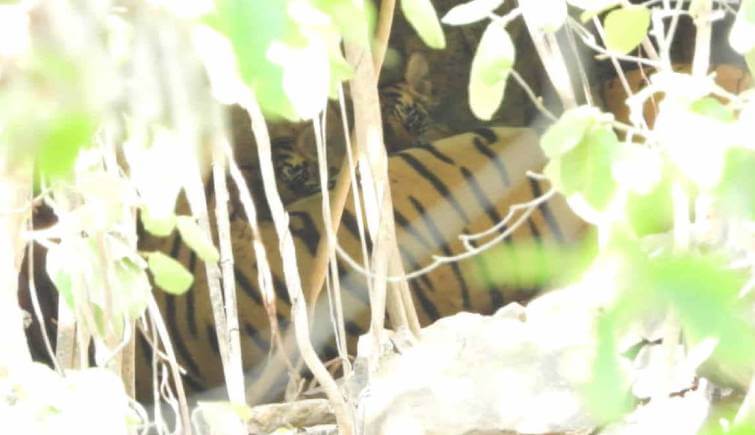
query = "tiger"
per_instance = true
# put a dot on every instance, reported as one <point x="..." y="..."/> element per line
<point x="461" y="184"/>
<point x="405" y="106"/>
<point x="441" y="189"/>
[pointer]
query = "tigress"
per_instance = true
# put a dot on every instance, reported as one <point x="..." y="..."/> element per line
<point x="462" y="184"/>
<point x="406" y="122"/>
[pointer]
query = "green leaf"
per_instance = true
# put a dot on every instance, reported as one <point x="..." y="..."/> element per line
<point x="352" y="21"/>
<point x="607" y="395"/>
<point x="712" y="108"/>
<point x="60" y="141"/>
<point x="736" y="190"/>
<point x="470" y="12"/>
<point x="169" y="274"/>
<point x="532" y="265"/>
<point x="270" y="22"/>
<point x="626" y="28"/>
<point x="160" y="226"/>
<point x="569" y="130"/>
<point x="651" y="213"/>
<point x="586" y="169"/>
<point x="421" y="15"/>
<point x="546" y="19"/>
<point x="704" y="292"/>
<point x="491" y="67"/>
<point x="60" y="271"/>
<point x="750" y="60"/>
<point x="742" y="34"/>
<point x="133" y="286"/>
<point x="196" y="238"/>
<point x="592" y="8"/>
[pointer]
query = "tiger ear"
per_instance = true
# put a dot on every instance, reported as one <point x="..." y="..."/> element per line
<point x="417" y="74"/>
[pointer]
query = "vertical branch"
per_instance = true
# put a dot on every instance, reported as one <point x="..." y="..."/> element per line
<point x="235" y="380"/>
<point x="549" y="51"/>
<point x="344" y="415"/>
<point x="701" y="59"/>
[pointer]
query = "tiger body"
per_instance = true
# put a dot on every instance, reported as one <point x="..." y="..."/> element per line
<point x="462" y="184"/>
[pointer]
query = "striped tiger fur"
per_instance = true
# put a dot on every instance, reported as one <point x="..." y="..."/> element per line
<point x="406" y="122"/>
<point x="464" y="183"/>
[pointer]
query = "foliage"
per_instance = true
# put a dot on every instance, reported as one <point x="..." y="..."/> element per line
<point x="637" y="188"/>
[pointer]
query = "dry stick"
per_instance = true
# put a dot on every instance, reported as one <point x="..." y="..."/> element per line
<point x="335" y="300"/>
<point x="162" y="332"/>
<point x="374" y="169"/>
<point x="385" y="22"/>
<point x="179" y="84"/>
<point x="236" y="387"/>
<point x="550" y="54"/>
<point x="344" y="416"/>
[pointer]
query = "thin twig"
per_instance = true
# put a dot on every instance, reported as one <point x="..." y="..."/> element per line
<point x="439" y="260"/>
<point x="344" y="416"/>
<point x="235" y="385"/>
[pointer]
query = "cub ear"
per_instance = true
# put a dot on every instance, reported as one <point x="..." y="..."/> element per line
<point x="417" y="74"/>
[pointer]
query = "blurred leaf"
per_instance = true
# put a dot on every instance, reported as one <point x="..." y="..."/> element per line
<point x="60" y="142"/>
<point x="422" y="16"/>
<point x="60" y="272"/>
<point x="159" y="226"/>
<point x="546" y="19"/>
<point x="704" y="293"/>
<point x="626" y="28"/>
<point x="651" y="213"/>
<point x="169" y="274"/>
<point x="133" y="286"/>
<point x="592" y="8"/>
<point x="531" y="264"/>
<point x="742" y="34"/>
<point x="470" y="12"/>
<point x="750" y="60"/>
<point x="736" y="191"/>
<point x="569" y="130"/>
<point x="607" y="394"/>
<point x="352" y="21"/>
<point x="270" y="22"/>
<point x="491" y="66"/>
<point x="586" y="169"/>
<point x="712" y="108"/>
<point x="196" y="238"/>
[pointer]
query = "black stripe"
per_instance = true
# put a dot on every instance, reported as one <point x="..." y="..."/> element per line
<point x="436" y="182"/>
<point x="479" y="195"/>
<point x="280" y="289"/>
<point x="256" y="336"/>
<point x="191" y="320"/>
<point x="353" y="329"/>
<point x="426" y="303"/>
<point x="488" y="134"/>
<point x="409" y="228"/>
<point x="438" y="237"/>
<point x="545" y="210"/>
<point x="308" y="232"/>
<point x="494" y="159"/>
<point x="176" y="246"/>
<point x="482" y="200"/>
<point x="430" y="148"/>
<point x="178" y="340"/>
<point x="250" y="290"/>
<point x="212" y="337"/>
<point x="349" y="222"/>
<point x="496" y="296"/>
